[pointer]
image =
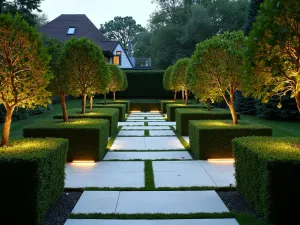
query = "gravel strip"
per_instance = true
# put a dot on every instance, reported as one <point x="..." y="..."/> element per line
<point x="59" y="212"/>
<point x="235" y="202"/>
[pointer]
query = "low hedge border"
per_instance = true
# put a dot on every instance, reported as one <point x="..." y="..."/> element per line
<point x="145" y="106"/>
<point x="126" y="102"/>
<point x="88" y="138"/>
<point x="267" y="175"/>
<point x="163" y="104"/>
<point x="172" y="107"/>
<point x="33" y="174"/>
<point x="109" y="114"/>
<point x="120" y="107"/>
<point x="212" y="138"/>
<point x="184" y="115"/>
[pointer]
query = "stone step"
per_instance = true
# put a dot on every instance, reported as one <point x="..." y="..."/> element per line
<point x="153" y="222"/>
<point x="146" y="128"/>
<point x="180" y="155"/>
<point x="138" y="202"/>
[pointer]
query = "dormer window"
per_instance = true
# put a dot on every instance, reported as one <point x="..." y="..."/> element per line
<point x="71" y="30"/>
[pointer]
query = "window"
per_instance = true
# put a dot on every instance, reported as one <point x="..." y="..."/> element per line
<point x="118" y="52"/>
<point x="71" y="30"/>
<point x="117" y="60"/>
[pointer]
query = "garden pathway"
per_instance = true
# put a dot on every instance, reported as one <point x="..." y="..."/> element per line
<point x="152" y="161"/>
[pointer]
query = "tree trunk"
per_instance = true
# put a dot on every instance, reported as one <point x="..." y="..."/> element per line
<point x="91" y="102"/>
<point x="297" y="97"/>
<point x="175" y="95"/>
<point x="105" y="99"/>
<point x="114" y="93"/>
<point x="64" y="106"/>
<point x="83" y="103"/>
<point x="208" y="104"/>
<point x="6" y="126"/>
<point x="232" y="110"/>
<point x="182" y="95"/>
<point x="186" y="96"/>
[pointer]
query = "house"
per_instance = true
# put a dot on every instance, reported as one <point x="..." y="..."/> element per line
<point x="67" y="26"/>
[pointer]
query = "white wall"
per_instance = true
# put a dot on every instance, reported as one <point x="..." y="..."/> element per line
<point x="125" y="63"/>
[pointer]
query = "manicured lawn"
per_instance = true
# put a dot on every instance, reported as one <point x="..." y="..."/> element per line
<point x="280" y="128"/>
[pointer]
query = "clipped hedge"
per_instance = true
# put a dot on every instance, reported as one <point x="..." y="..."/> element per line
<point x="32" y="172"/>
<point x="163" y="104"/>
<point x="212" y="138"/>
<point x="120" y="107"/>
<point x="145" y="84"/>
<point x="112" y="115"/>
<point x="145" y="106"/>
<point x="267" y="175"/>
<point x="183" y="116"/>
<point x="88" y="138"/>
<point x="109" y="102"/>
<point x="172" y="107"/>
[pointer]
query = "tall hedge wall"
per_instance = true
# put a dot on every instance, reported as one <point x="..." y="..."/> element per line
<point x="145" y="84"/>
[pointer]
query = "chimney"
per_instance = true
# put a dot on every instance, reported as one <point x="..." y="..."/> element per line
<point x="129" y="52"/>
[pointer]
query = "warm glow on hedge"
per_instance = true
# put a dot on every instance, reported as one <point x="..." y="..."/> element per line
<point x="221" y="160"/>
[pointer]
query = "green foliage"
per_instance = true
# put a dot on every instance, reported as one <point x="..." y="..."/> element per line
<point x="212" y="138"/>
<point x="116" y="78"/>
<point x="163" y="104"/>
<point x="265" y="169"/>
<point x="125" y="83"/>
<point x="19" y="114"/>
<point x="87" y="137"/>
<point x="142" y="46"/>
<point x="126" y="102"/>
<point x="183" y="116"/>
<point x="145" y="106"/>
<point x="85" y="67"/>
<point x="178" y="78"/>
<point x="254" y="6"/>
<point x="167" y="79"/>
<point x="172" y="107"/>
<point x="110" y="114"/>
<point x="120" y="107"/>
<point x="244" y="105"/>
<point x="24" y="72"/>
<point x="34" y="174"/>
<point x="122" y="29"/>
<point x="273" y="51"/>
<point x="145" y="84"/>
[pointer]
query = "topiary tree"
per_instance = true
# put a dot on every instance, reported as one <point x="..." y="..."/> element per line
<point x="59" y="85"/>
<point x="216" y="68"/>
<point x="167" y="81"/>
<point x="85" y="68"/>
<point x="125" y="83"/>
<point x="179" y="78"/>
<point x="24" y="72"/>
<point x="117" y="79"/>
<point x="273" y="52"/>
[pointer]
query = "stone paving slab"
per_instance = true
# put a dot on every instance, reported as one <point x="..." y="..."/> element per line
<point x="131" y="133"/>
<point x="146" y="115"/>
<point x="187" y="139"/>
<point x="163" y="143"/>
<point x="133" y="120"/>
<point x="221" y="173"/>
<point x="146" y="128"/>
<point x="105" y="174"/>
<point x="131" y="124"/>
<point x="170" y="202"/>
<point x="155" y="118"/>
<point x="135" y="202"/>
<point x="129" y="143"/>
<point x="180" y="174"/>
<point x="136" y="117"/>
<point x="180" y="155"/>
<point x="161" y="133"/>
<point x="153" y="222"/>
<point x="162" y="123"/>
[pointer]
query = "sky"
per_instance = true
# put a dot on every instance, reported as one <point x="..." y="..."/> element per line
<point x="100" y="11"/>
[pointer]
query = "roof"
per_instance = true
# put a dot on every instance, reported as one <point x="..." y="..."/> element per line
<point x="58" y="27"/>
<point x="110" y="45"/>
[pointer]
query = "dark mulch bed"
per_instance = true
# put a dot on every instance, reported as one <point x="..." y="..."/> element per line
<point x="235" y="202"/>
<point x="59" y="212"/>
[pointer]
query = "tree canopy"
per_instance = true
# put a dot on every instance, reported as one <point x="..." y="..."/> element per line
<point x="216" y="68"/>
<point x="122" y="29"/>
<point x="251" y="17"/>
<point x="117" y="79"/>
<point x="85" y="67"/>
<point x="24" y="68"/>
<point x="273" y="51"/>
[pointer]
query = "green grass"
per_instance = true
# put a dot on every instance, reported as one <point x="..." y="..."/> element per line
<point x="146" y="133"/>
<point x="149" y="175"/>
<point x="181" y="139"/>
<point x="145" y="123"/>
<point x="280" y="128"/>
<point x="152" y="188"/>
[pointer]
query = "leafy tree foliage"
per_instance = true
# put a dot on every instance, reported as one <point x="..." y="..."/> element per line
<point x="167" y="80"/>
<point x="40" y="20"/>
<point x="273" y="52"/>
<point x="122" y="29"/>
<point x="23" y="68"/>
<point x="85" y="68"/>
<point x="216" y="68"/>
<point x="125" y="83"/>
<point x="179" y="79"/>
<point x="23" y="7"/>
<point x="251" y="17"/>
<point x="117" y="79"/>
<point x="142" y="46"/>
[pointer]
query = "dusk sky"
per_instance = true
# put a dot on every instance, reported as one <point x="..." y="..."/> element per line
<point x="100" y="11"/>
